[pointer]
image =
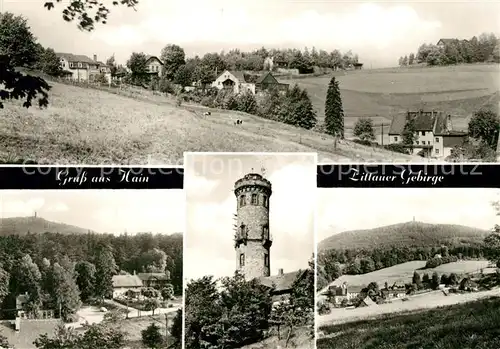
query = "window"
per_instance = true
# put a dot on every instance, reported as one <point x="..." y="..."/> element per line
<point x="265" y="201"/>
<point x="242" y="260"/>
<point x="437" y="151"/>
<point x="243" y="230"/>
<point x="395" y="139"/>
<point x="254" y="199"/>
<point x="423" y="133"/>
<point x="80" y="65"/>
<point x="429" y="142"/>
<point x="437" y="140"/>
<point x="242" y="200"/>
<point x="219" y="82"/>
<point x="416" y="142"/>
<point x="265" y="232"/>
<point x="71" y="64"/>
<point x="266" y="260"/>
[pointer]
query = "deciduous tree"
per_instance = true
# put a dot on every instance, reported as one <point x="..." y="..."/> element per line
<point x="363" y="129"/>
<point x="485" y="126"/>
<point x="66" y="296"/>
<point x="85" y="279"/>
<point x="151" y="336"/>
<point x="173" y="57"/>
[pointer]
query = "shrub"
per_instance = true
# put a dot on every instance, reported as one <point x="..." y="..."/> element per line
<point x="398" y="148"/>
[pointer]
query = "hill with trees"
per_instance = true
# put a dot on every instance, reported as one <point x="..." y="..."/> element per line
<point x="25" y="225"/>
<point x="409" y="234"/>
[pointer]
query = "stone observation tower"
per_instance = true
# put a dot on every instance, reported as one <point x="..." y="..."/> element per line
<point x="252" y="240"/>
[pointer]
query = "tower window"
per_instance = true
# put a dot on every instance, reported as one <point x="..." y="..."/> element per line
<point x="243" y="200"/>
<point x="265" y="201"/>
<point x="254" y="199"/>
<point x="265" y="232"/>
<point x="266" y="260"/>
<point x="243" y="231"/>
<point x="242" y="260"/>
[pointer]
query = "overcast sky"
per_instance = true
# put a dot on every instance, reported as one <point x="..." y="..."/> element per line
<point x="343" y="209"/>
<point x="111" y="211"/>
<point x="209" y="183"/>
<point x="378" y="32"/>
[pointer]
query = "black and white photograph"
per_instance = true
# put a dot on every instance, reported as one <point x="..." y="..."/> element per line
<point x="91" y="269"/>
<point x="249" y="257"/>
<point x="408" y="268"/>
<point x="141" y="81"/>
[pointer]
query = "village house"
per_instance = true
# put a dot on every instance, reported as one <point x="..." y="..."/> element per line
<point x="366" y="302"/>
<point x="344" y="293"/>
<point x="82" y="68"/>
<point x="124" y="283"/>
<point x="267" y="82"/>
<point x="358" y="66"/>
<point x="434" y="133"/>
<point x="154" y="65"/>
<point x="393" y="292"/>
<point x="442" y="43"/>
<point x="155" y="280"/>
<point x="234" y="81"/>
<point x="283" y="283"/>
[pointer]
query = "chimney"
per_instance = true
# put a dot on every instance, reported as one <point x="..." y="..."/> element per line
<point x="280" y="272"/>
<point x="448" y="123"/>
<point x="95" y="58"/>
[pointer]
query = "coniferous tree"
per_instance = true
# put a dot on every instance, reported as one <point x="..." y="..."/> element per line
<point x="334" y="113"/>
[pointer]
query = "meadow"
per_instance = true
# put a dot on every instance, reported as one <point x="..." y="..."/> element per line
<point x="92" y="126"/>
<point x="466" y="326"/>
<point x="382" y="93"/>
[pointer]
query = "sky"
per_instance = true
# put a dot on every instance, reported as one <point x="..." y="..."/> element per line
<point x="380" y="32"/>
<point x="103" y="211"/>
<point x="344" y="209"/>
<point x="210" y="205"/>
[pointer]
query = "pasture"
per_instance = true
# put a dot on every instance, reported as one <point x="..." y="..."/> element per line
<point x="465" y="326"/>
<point x="91" y="126"/>
<point x="382" y="93"/>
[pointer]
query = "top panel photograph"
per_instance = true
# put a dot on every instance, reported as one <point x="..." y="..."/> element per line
<point x="139" y="82"/>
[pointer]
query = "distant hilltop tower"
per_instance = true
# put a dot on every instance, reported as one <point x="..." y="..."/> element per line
<point x="252" y="240"/>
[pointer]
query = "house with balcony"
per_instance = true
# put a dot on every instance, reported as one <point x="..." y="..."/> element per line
<point x="154" y="65"/>
<point x="434" y="135"/>
<point x="234" y="81"/>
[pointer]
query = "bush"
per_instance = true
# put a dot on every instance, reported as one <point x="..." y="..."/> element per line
<point x="364" y="142"/>
<point x="398" y="148"/>
<point x="208" y="102"/>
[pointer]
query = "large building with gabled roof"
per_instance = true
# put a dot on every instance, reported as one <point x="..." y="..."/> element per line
<point x="434" y="133"/>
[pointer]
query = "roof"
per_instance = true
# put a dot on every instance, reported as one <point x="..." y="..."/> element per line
<point x="126" y="281"/>
<point x="453" y="140"/>
<point x="358" y="64"/>
<point x="239" y="75"/>
<point x="154" y="276"/>
<point x="281" y="282"/>
<point x="447" y="41"/>
<point x="149" y="57"/>
<point x="29" y="331"/>
<point x="368" y="301"/>
<point x="76" y="58"/>
<point x="269" y="77"/>
<point x="434" y="121"/>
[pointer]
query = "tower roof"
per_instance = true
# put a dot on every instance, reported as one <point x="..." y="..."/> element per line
<point x="252" y="179"/>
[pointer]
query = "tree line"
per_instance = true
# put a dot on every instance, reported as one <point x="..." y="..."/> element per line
<point x="480" y="49"/>
<point x="232" y="312"/>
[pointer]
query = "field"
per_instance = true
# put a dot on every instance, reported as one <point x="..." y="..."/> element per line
<point x="133" y="327"/>
<point x="403" y="273"/>
<point x="380" y="94"/>
<point x="466" y="326"/>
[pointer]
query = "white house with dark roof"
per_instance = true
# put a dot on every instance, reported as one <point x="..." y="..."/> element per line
<point x="82" y="68"/>
<point x="235" y="81"/>
<point x="282" y="282"/>
<point x="434" y="133"/>
<point x="124" y="283"/>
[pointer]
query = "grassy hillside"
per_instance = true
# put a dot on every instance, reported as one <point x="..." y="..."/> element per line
<point x="23" y="225"/>
<point x="94" y="127"/>
<point x="465" y="326"/>
<point x="382" y="93"/>
<point x="411" y="234"/>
